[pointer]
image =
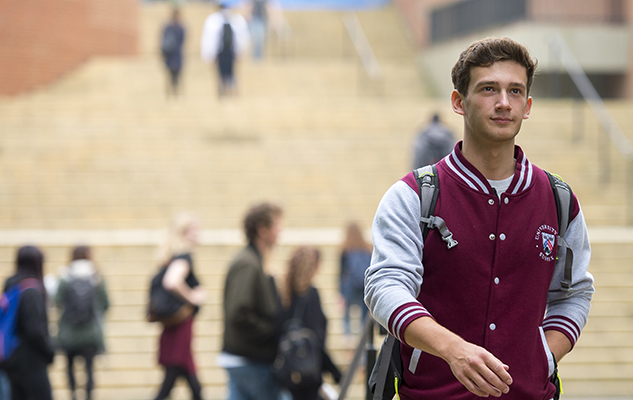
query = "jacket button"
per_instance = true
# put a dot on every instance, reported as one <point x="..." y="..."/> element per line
<point x="492" y="236"/>
<point x="506" y="200"/>
<point x="493" y="327"/>
<point x="502" y="236"/>
<point x="491" y="202"/>
<point x="496" y="281"/>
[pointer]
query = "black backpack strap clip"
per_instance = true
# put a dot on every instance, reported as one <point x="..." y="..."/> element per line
<point x="428" y="185"/>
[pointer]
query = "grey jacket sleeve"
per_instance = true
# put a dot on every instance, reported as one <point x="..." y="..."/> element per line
<point x="394" y="278"/>
<point x="567" y="310"/>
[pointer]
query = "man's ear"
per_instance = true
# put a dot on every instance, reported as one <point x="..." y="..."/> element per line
<point x="457" y="102"/>
<point x="528" y="108"/>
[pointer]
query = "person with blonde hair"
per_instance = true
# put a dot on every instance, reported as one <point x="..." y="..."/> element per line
<point x="178" y="277"/>
<point x="354" y="261"/>
<point x="300" y="299"/>
<point x="83" y="300"/>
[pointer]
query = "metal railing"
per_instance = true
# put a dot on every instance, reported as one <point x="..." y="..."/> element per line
<point x="602" y="114"/>
<point x="283" y="33"/>
<point x="366" y="345"/>
<point x="363" y="49"/>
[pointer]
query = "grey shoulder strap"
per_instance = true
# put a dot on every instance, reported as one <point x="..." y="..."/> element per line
<point x="383" y="367"/>
<point x="564" y="208"/>
<point x="429" y="187"/>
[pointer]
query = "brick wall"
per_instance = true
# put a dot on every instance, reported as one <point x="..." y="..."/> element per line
<point x="41" y="40"/>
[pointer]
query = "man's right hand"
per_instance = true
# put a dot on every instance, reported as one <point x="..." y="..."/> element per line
<point x="478" y="370"/>
<point x="475" y="367"/>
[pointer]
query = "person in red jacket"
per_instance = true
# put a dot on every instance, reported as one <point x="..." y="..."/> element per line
<point x="490" y="315"/>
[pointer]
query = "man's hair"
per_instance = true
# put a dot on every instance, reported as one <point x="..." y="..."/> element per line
<point x="259" y="215"/>
<point x="486" y="52"/>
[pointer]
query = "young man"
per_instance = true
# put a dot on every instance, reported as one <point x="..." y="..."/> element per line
<point x="251" y="310"/>
<point x="225" y="37"/>
<point x="487" y="317"/>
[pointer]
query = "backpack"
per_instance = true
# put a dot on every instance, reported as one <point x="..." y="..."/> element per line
<point x="169" y="44"/>
<point x="227" y="37"/>
<point x="357" y="261"/>
<point x="299" y="357"/>
<point x="9" y="304"/>
<point x="386" y="377"/>
<point x="79" y="301"/>
<point x="164" y="307"/>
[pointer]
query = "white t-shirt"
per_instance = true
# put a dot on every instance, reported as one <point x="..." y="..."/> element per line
<point x="501" y="186"/>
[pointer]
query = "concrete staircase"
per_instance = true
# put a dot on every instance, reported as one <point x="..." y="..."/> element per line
<point x="104" y="155"/>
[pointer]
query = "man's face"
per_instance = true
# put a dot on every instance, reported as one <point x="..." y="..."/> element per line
<point x="270" y="234"/>
<point x="496" y="103"/>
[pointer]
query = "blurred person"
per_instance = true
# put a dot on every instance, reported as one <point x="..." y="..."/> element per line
<point x="252" y="310"/>
<point x="225" y="37"/>
<point x="173" y="38"/>
<point x="178" y="277"/>
<point x="83" y="300"/>
<point x="299" y="296"/>
<point x="27" y="366"/>
<point x="259" y="26"/>
<point x="435" y="142"/>
<point x="354" y="261"/>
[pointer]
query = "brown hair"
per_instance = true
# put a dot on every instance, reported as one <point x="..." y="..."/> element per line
<point x="301" y="269"/>
<point x="486" y="52"/>
<point x="261" y="214"/>
<point x="81" y="252"/>
<point x="354" y="239"/>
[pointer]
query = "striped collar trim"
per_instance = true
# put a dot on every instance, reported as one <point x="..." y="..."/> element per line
<point x="465" y="171"/>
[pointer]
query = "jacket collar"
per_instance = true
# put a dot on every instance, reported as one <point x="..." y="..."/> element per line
<point x="467" y="173"/>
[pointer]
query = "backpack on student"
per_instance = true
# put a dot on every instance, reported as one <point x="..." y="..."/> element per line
<point x="9" y="305"/>
<point x="79" y="299"/>
<point x="386" y="377"/>
<point x="169" y="43"/>
<point x="164" y="306"/>
<point x="299" y="357"/>
<point x="357" y="262"/>
<point x="227" y="37"/>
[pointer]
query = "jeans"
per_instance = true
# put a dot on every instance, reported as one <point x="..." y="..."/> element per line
<point x="354" y="299"/>
<point x="253" y="381"/>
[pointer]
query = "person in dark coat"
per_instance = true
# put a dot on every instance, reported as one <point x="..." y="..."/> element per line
<point x="172" y="41"/>
<point x="300" y="292"/>
<point x="81" y="339"/>
<point x="435" y="142"/>
<point x="27" y="366"/>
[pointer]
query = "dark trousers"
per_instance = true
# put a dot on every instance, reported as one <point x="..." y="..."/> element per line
<point x="88" y="357"/>
<point x="171" y="374"/>
<point x="33" y="385"/>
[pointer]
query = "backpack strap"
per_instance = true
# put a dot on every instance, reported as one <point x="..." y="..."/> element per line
<point x="429" y="187"/>
<point x="383" y="367"/>
<point x="564" y="208"/>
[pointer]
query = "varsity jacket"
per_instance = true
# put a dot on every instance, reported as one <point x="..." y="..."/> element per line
<point x="499" y="288"/>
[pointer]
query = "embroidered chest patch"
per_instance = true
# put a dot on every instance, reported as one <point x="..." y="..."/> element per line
<point x="546" y="241"/>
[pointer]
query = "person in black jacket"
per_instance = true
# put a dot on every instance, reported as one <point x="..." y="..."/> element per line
<point x="251" y="310"/>
<point x="27" y="366"/>
<point x="299" y="291"/>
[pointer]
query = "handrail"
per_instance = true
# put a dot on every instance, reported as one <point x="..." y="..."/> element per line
<point x="365" y="343"/>
<point x="591" y="96"/>
<point x="362" y="46"/>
